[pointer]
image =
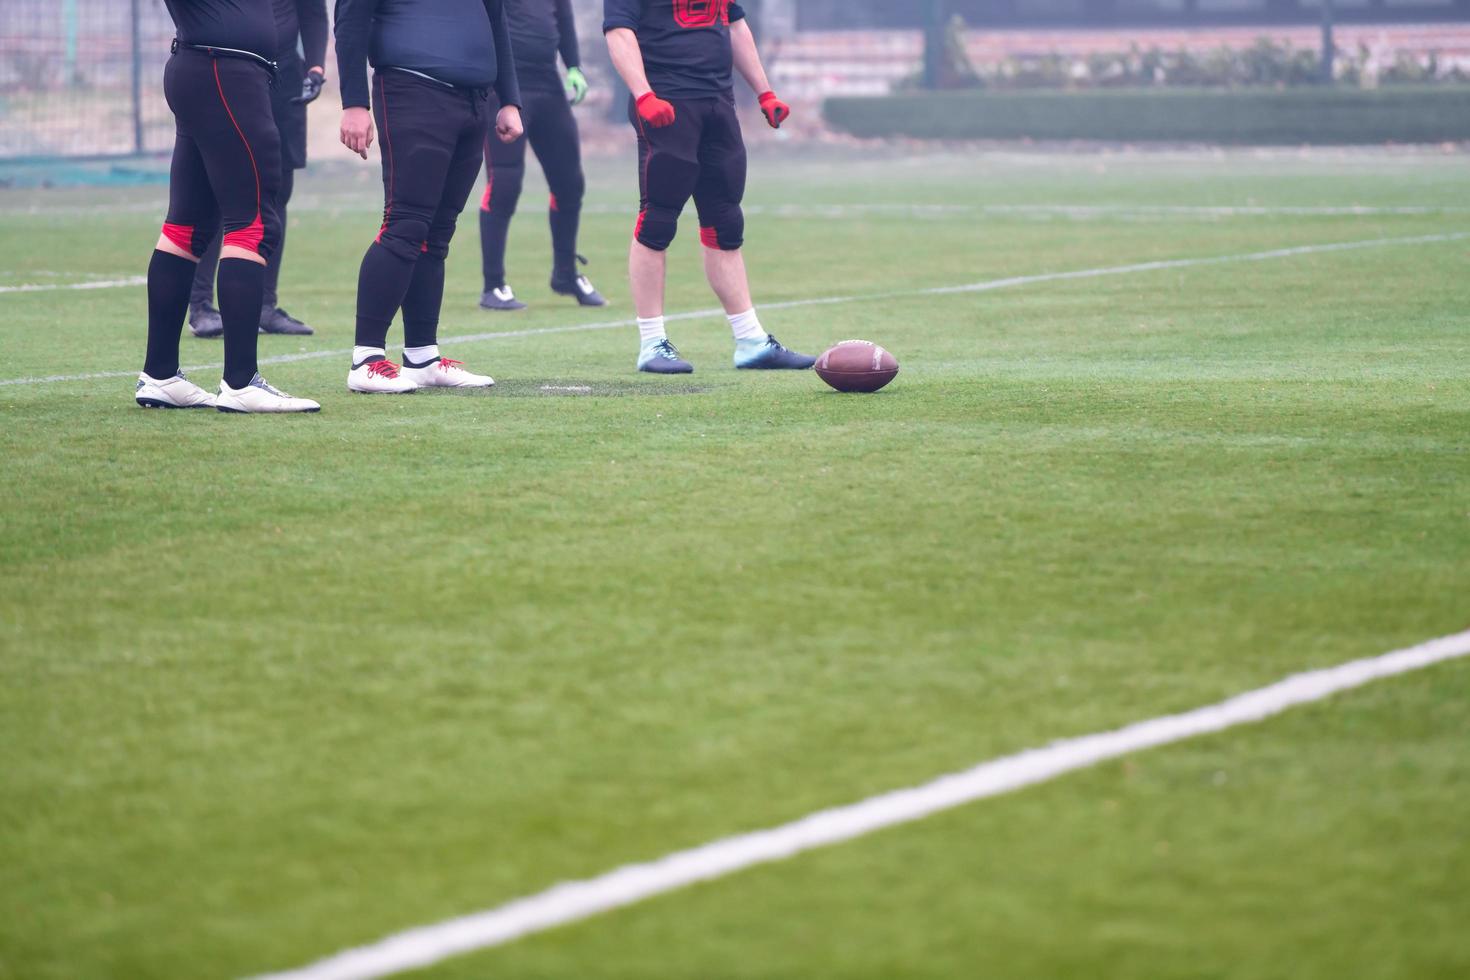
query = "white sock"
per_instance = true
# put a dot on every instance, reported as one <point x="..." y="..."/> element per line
<point x="360" y="354"/>
<point x="746" y="326"/>
<point x="421" y="355"/>
<point x="651" y="330"/>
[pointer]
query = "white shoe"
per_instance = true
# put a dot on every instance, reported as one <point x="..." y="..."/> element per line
<point x="379" y="378"/>
<point x="445" y="372"/>
<point x="260" y="398"/>
<point x="175" y="392"/>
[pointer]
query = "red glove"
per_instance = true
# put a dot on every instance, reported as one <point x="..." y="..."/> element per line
<point x="776" y="111"/>
<point x="655" y="111"/>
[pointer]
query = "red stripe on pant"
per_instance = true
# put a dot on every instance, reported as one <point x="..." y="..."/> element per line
<point x="250" y="236"/>
<point x="392" y="169"/>
<point x="180" y="235"/>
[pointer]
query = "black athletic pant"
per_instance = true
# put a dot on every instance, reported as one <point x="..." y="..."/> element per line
<point x="701" y="154"/>
<point x="203" y="290"/>
<point x="551" y="132"/>
<point x="290" y="117"/>
<point x="431" y="137"/>
<point x="226" y="171"/>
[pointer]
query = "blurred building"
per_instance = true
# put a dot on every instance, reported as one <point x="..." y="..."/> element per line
<point x="823" y="15"/>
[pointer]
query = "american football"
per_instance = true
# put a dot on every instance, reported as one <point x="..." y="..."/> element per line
<point x="857" y="366"/>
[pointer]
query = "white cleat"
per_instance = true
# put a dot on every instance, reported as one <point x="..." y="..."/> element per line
<point x="379" y="378"/>
<point x="259" y="398"/>
<point x="175" y="392"/>
<point x="445" y="372"/>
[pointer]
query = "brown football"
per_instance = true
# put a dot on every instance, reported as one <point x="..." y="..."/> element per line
<point x="857" y="365"/>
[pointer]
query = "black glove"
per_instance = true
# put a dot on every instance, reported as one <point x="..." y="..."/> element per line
<point x="311" y="87"/>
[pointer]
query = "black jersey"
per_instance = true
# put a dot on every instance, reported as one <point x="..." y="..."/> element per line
<point x="241" y="25"/>
<point x="685" y="43"/>
<point x="464" y="43"/>
<point x="539" y="29"/>
<point x="306" y="19"/>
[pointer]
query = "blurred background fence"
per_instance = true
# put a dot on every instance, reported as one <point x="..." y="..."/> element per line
<point x="81" y="78"/>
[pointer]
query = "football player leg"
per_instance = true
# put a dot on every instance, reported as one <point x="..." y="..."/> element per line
<point x="228" y="152"/>
<point x="422" y="362"/>
<point x="244" y="165"/>
<point x="717" y="198"/>
<point x="552" y="130"/>
<point x="416" y="150"/>
<point x="668" y="168"/>
<point x="505" y="171"/>
<point x="192" y="219"/>
<point x="204" y="318"/>
<point x="273" y="318"/>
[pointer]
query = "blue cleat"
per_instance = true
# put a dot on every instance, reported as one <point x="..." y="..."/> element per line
<point x="769" y="355"/>
<point x="663" y="357"/>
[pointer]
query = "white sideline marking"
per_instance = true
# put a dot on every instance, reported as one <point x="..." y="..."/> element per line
<point x="318" y="201"/>
<point x="1221" y="211"/>
<point x="572" y="901"/>
<point x="46" y="287"/>
<point x="974" y="287"/>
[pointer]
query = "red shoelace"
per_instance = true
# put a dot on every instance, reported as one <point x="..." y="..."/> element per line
<point x="449" y="363"/>
<point x="386" y="368"/>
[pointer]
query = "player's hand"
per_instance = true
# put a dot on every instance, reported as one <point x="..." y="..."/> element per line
<point x="577" y="86"/>
<point x="508" y="124"/>
<point x="775" y="110"/>
<point x="357" y="130"/>
<point x="655" y="111"/>
<point x="311" y="87"/>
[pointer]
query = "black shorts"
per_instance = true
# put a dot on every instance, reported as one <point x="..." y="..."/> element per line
<point x="700" y="154"/>
<point x="226" y="165"/>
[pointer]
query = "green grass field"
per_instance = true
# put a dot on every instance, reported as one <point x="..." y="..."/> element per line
<point x="271" y="687"/>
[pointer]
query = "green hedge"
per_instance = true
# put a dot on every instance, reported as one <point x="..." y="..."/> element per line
<point x="1407" y="114"/>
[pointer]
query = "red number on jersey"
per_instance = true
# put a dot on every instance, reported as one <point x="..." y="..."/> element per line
<point x="701" y="13"/>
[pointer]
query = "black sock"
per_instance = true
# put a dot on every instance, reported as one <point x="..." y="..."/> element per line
<point x="493" y="230"/>
<point x="203" y="291"/>
<point x="381" y="284"/>
<point x="273" y="264"/>
<point x="564" y="222"/>
<point x="241" y="283"/>
<point x="170" y="278"/>
<point x="422" y="301"/>
<point x="273" y="272"/>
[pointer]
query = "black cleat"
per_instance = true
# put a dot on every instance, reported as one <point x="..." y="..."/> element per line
<point x="500" y="298"/>
<point x="578" y="287"/>
<point x="581" y="287"/>
<point x="204" y="321"/>
<point x="769" y="355"/>
<point x="663" y="358"/>
<point x="273" y="319"/>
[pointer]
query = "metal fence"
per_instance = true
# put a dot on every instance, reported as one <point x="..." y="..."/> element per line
<point x="827" y="15"/>
<point x="81" y="78"/>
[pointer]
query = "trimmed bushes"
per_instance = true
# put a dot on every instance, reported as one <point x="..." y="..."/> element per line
<point x="1401" y="114"/>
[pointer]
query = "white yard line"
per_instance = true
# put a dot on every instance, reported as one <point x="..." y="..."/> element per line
<point x="974" y="287"/>
<point x="48" y="287"/>
<point x="573" y="901"/>
<point x="310" y="202"/>
<point x="1219" y="211"/>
